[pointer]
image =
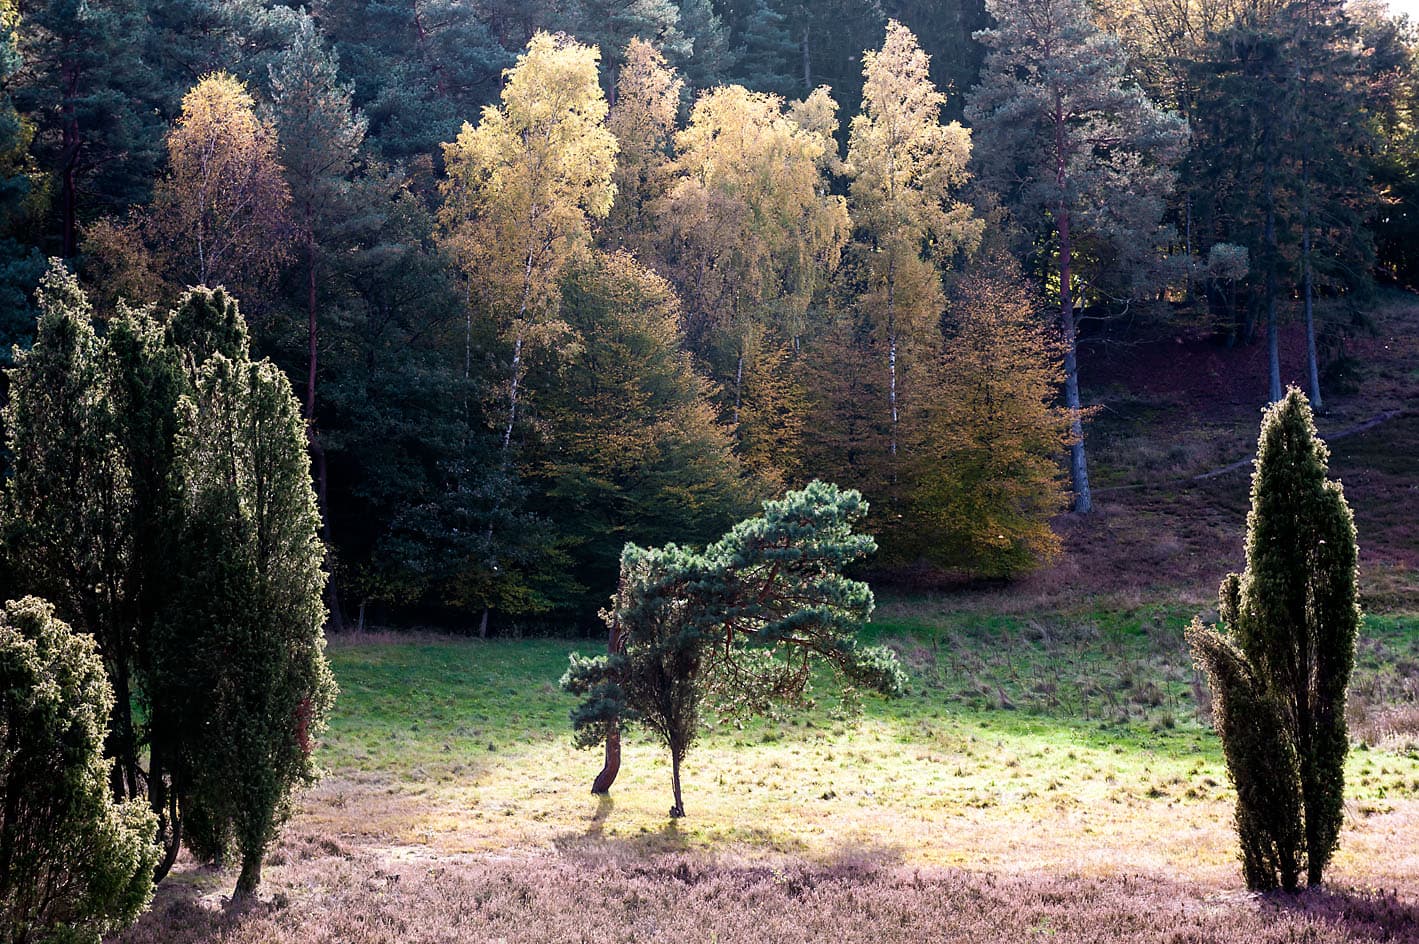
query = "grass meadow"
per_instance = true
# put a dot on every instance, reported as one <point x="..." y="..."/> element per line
<point x="1047" y="777"/>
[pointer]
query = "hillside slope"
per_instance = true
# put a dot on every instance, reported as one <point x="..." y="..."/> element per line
<point x="1171" y="444"/>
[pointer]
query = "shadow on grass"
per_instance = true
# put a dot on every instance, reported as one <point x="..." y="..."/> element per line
<point x="594" y="841"/>
<point x="1375" y="915"/>
<point x="188" y="911"/>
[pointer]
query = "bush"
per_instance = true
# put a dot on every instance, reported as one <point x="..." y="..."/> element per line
<point x="73" y="864"/>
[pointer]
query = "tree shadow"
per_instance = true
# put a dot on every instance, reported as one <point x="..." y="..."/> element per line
<point x="1373" y="914"/>
<point x="604" y="807"/>
<point x="593" y="841"/>
<point x="185" y="911"/>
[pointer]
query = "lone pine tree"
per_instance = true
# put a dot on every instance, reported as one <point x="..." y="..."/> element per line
<point x="1281" y="662"/>
<point x="740" y="623"/>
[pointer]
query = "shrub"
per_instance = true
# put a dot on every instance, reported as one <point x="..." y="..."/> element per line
<point x="74" y="865"/>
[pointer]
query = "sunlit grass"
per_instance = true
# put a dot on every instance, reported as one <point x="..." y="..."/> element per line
<point x="1024" y="743"/>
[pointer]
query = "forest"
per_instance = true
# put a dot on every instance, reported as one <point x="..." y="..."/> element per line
<point x="553" y="277"/>
<point x="866" y="386"/>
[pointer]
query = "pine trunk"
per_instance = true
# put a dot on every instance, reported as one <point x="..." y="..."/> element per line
<point x="807" y="64"/>
<point x="1308" y="292"/>
<point x="1273" y="331"/>
<point x="332" y="591"/>
<point x="69" y="193"/>
<point x="1078" y="461"/>
<point x="612" y="765"/>
<point x="678" y="810"/>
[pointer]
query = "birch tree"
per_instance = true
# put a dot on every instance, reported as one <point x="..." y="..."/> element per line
<point x="523" y="189"/>
<point x="750" y="229"/>
<point x="222" y="211"/>
<point x="906" y="166"/>
<point x="643" y="121"/>
<point x="1075" y="147"/>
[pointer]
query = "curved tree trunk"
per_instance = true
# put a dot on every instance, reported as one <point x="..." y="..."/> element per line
<point x="612" y="765"/>
<point x="249" y="879"/>
<point x="162" y="797"/>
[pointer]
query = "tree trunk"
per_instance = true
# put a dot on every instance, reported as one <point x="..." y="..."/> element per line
<point x="483" y="621"/>
<point x="514" y="388"/>
<point x="892" y="359"/>
<point x="678" y="810"/>
<point x="122" y="746"/>
<point x="612" y="765"/>
<point x="317" y="450"/>
<point x="1078" y="462"/>
<point x="70" y="146"/>
<point x="1273" y="343"/>
<point x="249" y="878"/>
<point x="1187" y="245"/>
<point x="1308" y="293"/>
<point x="738" y="388"/>
<point x="162" y="797"/>
<point x="332" y="591"/>
<point x="312" y="329"/>
<point x="807" y="64"/>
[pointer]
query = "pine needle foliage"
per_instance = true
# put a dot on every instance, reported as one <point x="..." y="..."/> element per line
<point x="1281" y="661"/>
<point x="739" y="624"/>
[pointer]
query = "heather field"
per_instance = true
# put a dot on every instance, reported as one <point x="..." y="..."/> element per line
<point x="1048" y="776"/>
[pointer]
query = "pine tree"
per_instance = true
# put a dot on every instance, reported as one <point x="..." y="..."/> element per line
<point x="20" y="265"/>
<point x="244" y="678"/>
<point x="1280" y="663"/>
<point x="766" y="48"/>
<point x="611" y="25"/>
<point x="319" y="137"/>
<point x="710" y="51"/>
<point x="93" y="96"/>
<point x="1074" y="148"/>
<point x="740" y="623"/>
<point x="419" y="69"/>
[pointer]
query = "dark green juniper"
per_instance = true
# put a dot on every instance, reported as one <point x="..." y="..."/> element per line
<point x="741" y="622"/>
<point x="74" y="864"/>
<point x="1280" y="663"/>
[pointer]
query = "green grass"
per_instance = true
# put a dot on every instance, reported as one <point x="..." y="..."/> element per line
<point x="1010" y="724"/>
